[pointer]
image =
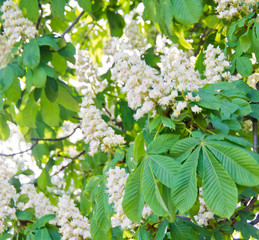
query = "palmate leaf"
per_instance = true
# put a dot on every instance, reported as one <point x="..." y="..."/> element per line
<point x="164" y="168"/>
<point x="184" y="189"/>
<point x="240" y="165"/>
<point x="151" y="191"/>
<point x="133" y="200"/>
<point x="219" y="190"/>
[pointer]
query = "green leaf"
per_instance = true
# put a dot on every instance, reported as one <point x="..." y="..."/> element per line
<point x="167" y="122"/>
<point x="164" y="168"/>
<point x="6" y="77"/>
<point x="151" y="191"/>
<point x="143" y="234"/>
<point x="5" y="236"/>
<point x="54" y="234"/>
<point x="58" y="7"/>
<point x="240" y="165"/>
<point x="41" y="222"/>
<point x="246" y="41"/>
<point x="4" y="128"/>
<point x="244" y="66"/>
<point x="85" y="4"/>
<point x="39" y="77"/>
<point x="180" y="230"/>
<point x="133" y="200"/>
<point x="162" y="143"/>
<point x="31" y="54"/>
<point x="184" y="188"/>
<point x="27" y="116"/>
<point x="47" y="40"/>
<point x="30" y="9"/>
<point x="184" y="145"/>
<point x="43" y="234"/>
<point x="138" y="149"/>
<point x="116" y="22"/>
<point x="68" y="51"/>
<point x="187" y="11"/>
<point x="247" y="230"/>
<point x="244" y="106"/>
<point x="255" y="111"/>
<point x="66" y="99"/>
<point x="49" y="111"/>
<point x="51" y="89"/>
<point x="59" y="63"/>
<point x="219" y="190"/>
<point x="23" y="215"/>
<point x="162" y="229"/>
<point x="44" y="179"/>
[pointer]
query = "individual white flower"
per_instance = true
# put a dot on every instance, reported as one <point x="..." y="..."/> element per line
<point x="196" y="109"/>
<point x="252" y="80"/>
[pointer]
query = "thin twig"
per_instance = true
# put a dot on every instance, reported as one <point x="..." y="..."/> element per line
<point x="72" y="24"/>
<point x="55" y="139"/>
<point x="36" y="142"/>
<point x="183" y="217"/>
<point x="65" y="166"/>
<point x="18" y="153"/>
<point x="255" y="221"/>
<point x="40" y="17"/>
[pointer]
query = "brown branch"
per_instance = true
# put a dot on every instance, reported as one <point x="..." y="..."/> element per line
<point x="72" y="24"/>
<point x="203" y="39"/>
<point x="40" y="17"/>
<point x="183" y="217"/>
<point x="255" y="221"/>
<point x="55" y="139"/>
<point x="36" y="142"/>
<point x="18" y="153"/>
<point x="65" y="166"/>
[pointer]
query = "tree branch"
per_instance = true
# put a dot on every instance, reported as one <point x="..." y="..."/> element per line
<point x="18" y="153"/>
<point x="255" y="137"/>
<point x="40" y="17"/>
<point x="36" y="142"/>
<point x="255" y="221"/>
<point x="72" y="24"/>
<point x="55" y="139"/>
<point x="64" y="167"/>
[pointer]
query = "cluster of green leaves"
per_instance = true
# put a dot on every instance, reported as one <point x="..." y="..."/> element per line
<point x="170" y="158"/>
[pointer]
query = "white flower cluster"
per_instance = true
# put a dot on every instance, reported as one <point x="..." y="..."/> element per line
<point x="74" y="226"/>
<point x="204" y="214"/>
<point x="247" y="126"/>
<point x="38" y="201"/>
<point x="131" y="39"/>
<point x="146" y="89"/>
<point x="216" y="63"/>
<point x="252" y="80"/>
<point x="116" y="182"/>
<point x="7" y="193"/>
<point x="16" y="27"/>
<point x="96" y="130"/>
<point x="227" y="9"/>
<point x="87" y="73"/>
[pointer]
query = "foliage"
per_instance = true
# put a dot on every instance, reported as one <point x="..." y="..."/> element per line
<point x="179" y="165"/>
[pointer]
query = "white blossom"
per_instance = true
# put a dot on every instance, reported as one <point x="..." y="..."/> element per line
<point x="73" y="224"/>
<point x="228" y="9"/>
<point x="204" y="214"/>
<point x="38" y="201"/>
<point x="16" y="27"/>
<point x="116" y="182"/>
